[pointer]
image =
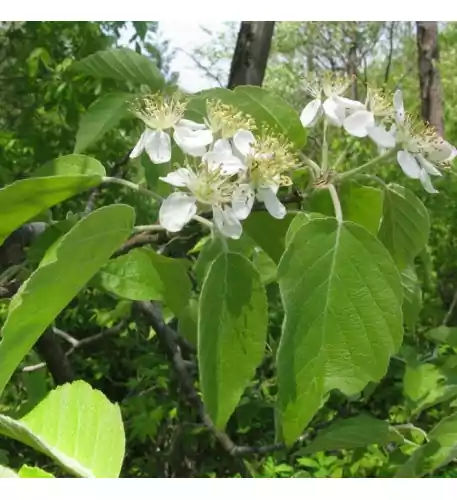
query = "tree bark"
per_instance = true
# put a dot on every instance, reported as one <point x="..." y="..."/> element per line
<point x="251" y="53"/>
<point x="52" y="353"/>
<point x="429" y="75"/>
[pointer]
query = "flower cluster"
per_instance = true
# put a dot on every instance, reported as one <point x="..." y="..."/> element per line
<point x="420" y="150"/>
<point x="227" y="167"/>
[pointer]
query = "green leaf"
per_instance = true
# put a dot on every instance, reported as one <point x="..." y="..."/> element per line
<point x="268" y="233"/>
<point x="342" y="299"/>
<point x="412" y="297"/>
<point x="265" y="267"/>
<point x="232" y="327"/>
<point x="71" y="165"/>
<point x="355" y="432"/>
<point x="176" y="286"/>
<point x="33" y="473"/>
<point x="76" y="426"/>
<point x="131" y="276"/>
<point x="444" y="335"/>
<point x="405" y="226"/>
<point x="267" y="109"/>
<point x="439" y="451"/>
<point x="45" y="240"/>
<point x="65" y="269"/>
<point x="298" y="221"/>
<point x="188" y="322"/>
<point x="25" y="199"/>
<point x="103" y="115"/>
<point x="359" y="204"/>
<point x="122" y="64"/>
<point x="7" y="473"/>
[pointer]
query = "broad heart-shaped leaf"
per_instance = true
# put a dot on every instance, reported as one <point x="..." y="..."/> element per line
<point x="122" y="64"/>
<point x="24" y="199"/>
<point x="342" y="298"/>
<point x="71" y="165"/>
<point x="298" y="221"/>
<point x="439" y="451"/>
<point x="269" y="233"/>
<point x="405" y="225"/>
<point x="33" y="473"/>
<point x="412" y="297"/>
<point x="7" y="473"/>
<point x="76" y="426"/>
<point x="359" y="204"/>
<point x="101" y="117"/>
<point x="232" y="328"/>
<point x="355" y="432"/>
<point x="268" y="110"/>
<point x="66" y="268"/>
<point x="444" y="335"/>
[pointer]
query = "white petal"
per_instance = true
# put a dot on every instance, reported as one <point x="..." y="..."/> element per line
<point x="311" y="113"/>
<point x="242" y="201"/>
<point x="158" y="146"/>
<point x="227" y="223"/>
<point x="381" y="137"/>
<point x="349" y="103"/>
<point x="443" y="152"/>
<point x="272" y="204"/>
<point x="176" y="211"/>
<point x="426" y="182"/>
<point x="399" y="107"/>
<point x="180" y="178"/>
<point x="334" y="113"/>
<point x="223" y="147"/>
<point x="358" y="123"/>
<point x="427" y="166"/>
<point x="192" y="142"/>
<point x="139" y="147"/>
<point x="191" y="124"/>
<point x="244" y="142"/>
<point x="409" y="164"/>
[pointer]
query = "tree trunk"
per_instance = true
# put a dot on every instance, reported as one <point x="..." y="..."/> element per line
<point x="429" y="75"/>
<point x="50" y="350"/>
<point x="251" y="53"/>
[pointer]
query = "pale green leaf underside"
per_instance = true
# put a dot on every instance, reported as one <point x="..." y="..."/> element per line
<point x="232" y="326"/>
<point x="342" y="297"/>
<point x="76" y="426"/>
<point x="75" y="164"/>
<point x="27" y="472"/>
<point x="66" y="268"/>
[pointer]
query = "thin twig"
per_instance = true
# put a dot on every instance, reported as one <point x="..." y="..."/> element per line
<point x="451" y="310"/>
<point x="76" y="344"/>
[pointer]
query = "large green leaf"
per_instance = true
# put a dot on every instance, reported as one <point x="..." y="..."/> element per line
<point x="131" y="276"/>
<point x="359" y="204"/>
<point x="66" y="268"/>
<point x="71" y="165"/>
<point x="412" y="297"/>
<point x="232" y="327"/>
<point x="7" y="473"/>
<point x="25" y="199"/>
<point x="33" y="473"/>
<point x="76" y="426"/>
<point x="405" y="225"/>
<point x="122" y="64"/>
<point x="101" y="117"/>
<point x="439" y="451"/>
<point x="342" y="298"/>
<point x="355" y="432"/>
<point x="269" y="233"/>
<point x="267" y="109"/>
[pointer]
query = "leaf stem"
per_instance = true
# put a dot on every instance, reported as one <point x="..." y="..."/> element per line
<point x="354" y="171"/>
<point x="336" y="202"/>
<point x="324" y="162"/>
<point x="312" y="164"/>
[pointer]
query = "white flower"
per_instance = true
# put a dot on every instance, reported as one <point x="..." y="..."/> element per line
<point x="362" y="123"/>
<point x="266" y="160"/>
<point x="208" y="185"/>
<point x="160" y="115"/>
<point x="221" y="156"/>
<point x="334" y="106"/>
<point x="421" y="148"/>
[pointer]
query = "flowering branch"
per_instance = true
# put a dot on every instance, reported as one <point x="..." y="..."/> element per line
<point x="350" y="173"/>
<point x="336" y="202"/>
